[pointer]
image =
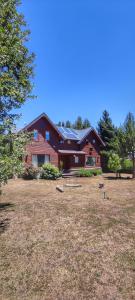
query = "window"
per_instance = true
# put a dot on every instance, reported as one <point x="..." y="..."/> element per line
<point x="35" y="135"/>
<point x="47" y="136"/>
<point x="39" y="159"/>
<point x="68" y="141"/>
<point x="91" y="161"/>
<point x="94" y="141"/>
<point x="76" y="159"/>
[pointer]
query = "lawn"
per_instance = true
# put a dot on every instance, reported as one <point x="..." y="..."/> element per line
<point x="68" y="246"/>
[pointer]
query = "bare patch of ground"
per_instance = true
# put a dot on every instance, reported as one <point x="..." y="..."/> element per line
<point x="67" y="246"/>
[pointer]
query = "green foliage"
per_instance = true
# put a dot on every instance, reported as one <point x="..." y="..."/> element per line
<point x="114" y="162"/>
<point x="108" y="132"/>
<point x="78" y="123"/>
<point x="127" y="139"/>
<point x="127" y="166"/>
<point x="12" y="151"/>
<point x="68" y="124"/>
<point x="31" y="172"/>
<point x="89" y="172"/>
<point x="16" y="63"/>
<point x="49" y="171"/>
<point x="86" y="123"/>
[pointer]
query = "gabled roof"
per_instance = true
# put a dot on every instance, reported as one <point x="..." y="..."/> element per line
<point x="67" y="133"/>
<point x="43" y="115"/>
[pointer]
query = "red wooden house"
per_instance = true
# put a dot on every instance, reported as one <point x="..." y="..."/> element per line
<point x="63" y="147"/>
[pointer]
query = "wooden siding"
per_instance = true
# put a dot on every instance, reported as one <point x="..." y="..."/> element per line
<point x="41" y="146"/>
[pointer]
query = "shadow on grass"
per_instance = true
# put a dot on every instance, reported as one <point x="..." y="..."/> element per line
<point x="117" y="178"/>
<point x="5" y="206"/>
<point x="4" y="224"/>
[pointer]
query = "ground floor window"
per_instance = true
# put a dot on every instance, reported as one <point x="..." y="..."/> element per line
<point x="39" y="159"/>
<point x="76" y="159"/>
<point x="91" y="161"/>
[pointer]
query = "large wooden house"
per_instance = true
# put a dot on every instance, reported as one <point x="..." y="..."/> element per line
<point x="63" y="147"/>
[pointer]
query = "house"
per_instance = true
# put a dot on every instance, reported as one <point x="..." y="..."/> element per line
<point x="63" y="147"/>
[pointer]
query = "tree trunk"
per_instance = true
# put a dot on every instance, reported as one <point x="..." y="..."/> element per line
<point x="133" y="158"/>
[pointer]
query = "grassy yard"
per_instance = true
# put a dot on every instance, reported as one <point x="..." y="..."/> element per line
<point x="67" y="246"/>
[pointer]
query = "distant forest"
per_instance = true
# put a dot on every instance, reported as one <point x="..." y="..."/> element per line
<point x="78" y="124"/>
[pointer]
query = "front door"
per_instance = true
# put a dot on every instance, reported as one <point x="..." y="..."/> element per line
<point x="65" y="162"/>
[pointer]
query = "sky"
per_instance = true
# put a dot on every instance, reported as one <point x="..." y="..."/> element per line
<point x="85" y="59"/>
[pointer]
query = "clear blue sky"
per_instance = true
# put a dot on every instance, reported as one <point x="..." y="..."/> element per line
<point x="85" y="58"/>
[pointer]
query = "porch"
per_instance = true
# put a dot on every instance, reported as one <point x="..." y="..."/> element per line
<point x="70" y="159"/>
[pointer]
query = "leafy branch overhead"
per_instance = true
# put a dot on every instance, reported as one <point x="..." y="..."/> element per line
<point x="16" y="63"/>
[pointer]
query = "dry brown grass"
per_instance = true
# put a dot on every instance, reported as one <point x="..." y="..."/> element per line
<point x="67" y="246"/>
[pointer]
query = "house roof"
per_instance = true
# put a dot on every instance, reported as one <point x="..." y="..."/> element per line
<point x="71" y="152"/>
<point x="67" y="133"/>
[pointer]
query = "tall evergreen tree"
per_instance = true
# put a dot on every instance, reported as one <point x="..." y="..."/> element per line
<point x="78" y="123"/>
<point x="16" y="63"/>
<point x="59" y="124"/>
<point x="68" y="124"/>
<point x="86" y="123"/>
<point x="108" y="132"/>
<point x="127" y="139"/>
<point x="63" y="124"/>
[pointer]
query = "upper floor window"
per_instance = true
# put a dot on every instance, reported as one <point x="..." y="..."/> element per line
<point x="94" y="141"/>
<point x="47" y="136"/>
<point x="35" y="135"/>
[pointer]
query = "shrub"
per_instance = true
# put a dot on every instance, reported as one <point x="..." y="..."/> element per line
<point x="49" y="171"/>
<point x="89" y="172"/>
<point x="114" y="163"/>
<point x="126" y="166"/>
<point x="31" y="172"/>
<point x="97" y="172"/>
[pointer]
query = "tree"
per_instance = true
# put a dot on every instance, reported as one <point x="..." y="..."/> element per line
<point x="108" y="132"/>
<point x="127" y="139"/>
<point x="86" y="123"/>
<point x="63" y="124"/>
<point x="59" y="124"/>
<point x="16" y="71"/>
<point x="16" y="63"/>
<point x="78" y="123"/>
<point x="68" y="124"/>
<point x="114" y="163"/>
<point x="12" y="151"/>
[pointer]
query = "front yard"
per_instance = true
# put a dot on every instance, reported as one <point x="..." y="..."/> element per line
<point x="68" y="246"/>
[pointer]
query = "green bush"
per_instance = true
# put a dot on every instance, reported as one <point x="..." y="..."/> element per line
<point x="31" y="172"/>
<point x="49" y="171"/>
<point x="126" y="166"/>
<point x="97" y="172"/>
<point x="89" y="172"/>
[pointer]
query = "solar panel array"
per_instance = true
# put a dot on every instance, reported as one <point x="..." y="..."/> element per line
<point x="68" y="133"/>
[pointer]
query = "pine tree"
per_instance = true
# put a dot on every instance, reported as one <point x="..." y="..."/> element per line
<point x="108" y="132"/>
<point x="16" y="63"/>
<point x="68" y="124"/>
<point x="78" y="123"/>
<point x="86" y="123"/>
<point x="127" y="139"/>
<point x="59" y="124"/>
<point x="63" y="124"/>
